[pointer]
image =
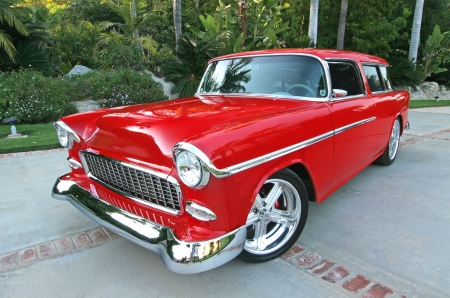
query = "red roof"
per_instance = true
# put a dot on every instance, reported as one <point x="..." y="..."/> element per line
<point x="321" y="53"/>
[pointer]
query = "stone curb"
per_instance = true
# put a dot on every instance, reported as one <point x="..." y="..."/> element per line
<point x="25" y="257"/>
<point x="356" y="284"/>
<point x="18" y="154"/>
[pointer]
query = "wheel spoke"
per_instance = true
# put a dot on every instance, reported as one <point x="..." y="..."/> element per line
<point x="252" y="218"/>
<point x="260" y="233"/>
<point x="274" y="194"/>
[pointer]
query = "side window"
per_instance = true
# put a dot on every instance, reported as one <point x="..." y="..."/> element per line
<point x="373" y="78"/>
<point x="385" y="77"/>
<point x="344" y="76"/>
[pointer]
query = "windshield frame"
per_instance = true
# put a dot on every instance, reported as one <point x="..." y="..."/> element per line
<point x="320" y="99"/>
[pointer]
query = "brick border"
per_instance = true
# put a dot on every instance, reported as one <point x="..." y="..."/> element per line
<point x="316" y="265"/>
<point x="18" y="154"/>
<point x="414" y="139"/>
<point x="25" y="257"/>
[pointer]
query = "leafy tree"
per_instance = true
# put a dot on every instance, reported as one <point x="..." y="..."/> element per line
<point x="250" y="26"/>
<point x="436" y="51"/>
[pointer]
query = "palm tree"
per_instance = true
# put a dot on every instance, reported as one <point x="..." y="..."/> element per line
<point x="132" y="12"/>
<point x="11" y="16"/>
<point x="313" y="20"/>
<point x="177" y="21"/>
<point x="415" y="33"/>
<point x="341" y="28"/>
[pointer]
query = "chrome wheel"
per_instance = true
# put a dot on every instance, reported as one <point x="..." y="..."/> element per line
<point x="274" y="217"/>
<point x="394" y="140"/>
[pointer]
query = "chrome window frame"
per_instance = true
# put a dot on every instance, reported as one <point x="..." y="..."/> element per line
<point x="274" y="96"/>
<point x="355" y="64"/>
<point x="378" y="65"/>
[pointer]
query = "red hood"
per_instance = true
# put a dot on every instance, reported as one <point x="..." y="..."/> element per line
<point x="148" y="132"/>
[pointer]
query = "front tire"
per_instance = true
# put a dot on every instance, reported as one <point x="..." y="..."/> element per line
<point x="277" y="217"/>
<point x="388" y="156"/>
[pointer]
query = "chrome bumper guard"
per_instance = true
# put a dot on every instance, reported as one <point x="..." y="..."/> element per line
<point x="179" y="256"/>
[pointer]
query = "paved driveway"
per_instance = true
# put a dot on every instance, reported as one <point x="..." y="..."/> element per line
<point x="384" y="233"/>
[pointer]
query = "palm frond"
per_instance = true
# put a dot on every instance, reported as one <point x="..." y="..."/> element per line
<point x="147" y="43"/>
<point x="7" y="44"/>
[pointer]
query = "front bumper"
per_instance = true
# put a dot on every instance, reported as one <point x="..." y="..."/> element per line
<point x="179" y="256"/>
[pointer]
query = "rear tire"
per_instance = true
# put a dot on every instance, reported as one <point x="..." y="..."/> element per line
<point x="277" y="217"/>
<point x="388" y="156"/>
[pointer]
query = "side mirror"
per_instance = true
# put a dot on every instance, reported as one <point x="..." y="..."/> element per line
<point x="339" y="93"/>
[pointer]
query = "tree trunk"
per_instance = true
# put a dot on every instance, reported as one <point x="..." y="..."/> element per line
<point x="313" y="20"/>
<point x="133" y="18"/>
<point x="341" y="28"/>
<point x="415" y="33"/>
<point x="177" y="21"/>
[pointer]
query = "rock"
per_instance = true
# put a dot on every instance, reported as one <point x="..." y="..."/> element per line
<point x="86" y="105"/>
<point x="79" y="70"/>
<point x="428" y="90"/>
<point x="167" y="86"/>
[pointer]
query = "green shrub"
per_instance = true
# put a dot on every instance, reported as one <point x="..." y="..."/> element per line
<point x="403" y="72"/>
<point x="32" y="97"/>
<point x="120" y="56"/>
<point x="116" y="88"/>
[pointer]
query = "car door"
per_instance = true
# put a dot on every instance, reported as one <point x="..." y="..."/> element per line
<point x="354" y="121"/>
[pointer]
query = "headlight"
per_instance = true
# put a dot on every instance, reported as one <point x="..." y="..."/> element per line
<point x="66" y="135"/>
<point x="63" y="136"/>
<point x="190" y="169"/>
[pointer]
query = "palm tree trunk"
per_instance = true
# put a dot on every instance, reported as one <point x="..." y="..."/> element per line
<point x="341" y="28"/>
<point x="415" y="33"/>
<point x="177" y="21"/>
<point x="313" y="20"/>
<point x="133" y="18"/>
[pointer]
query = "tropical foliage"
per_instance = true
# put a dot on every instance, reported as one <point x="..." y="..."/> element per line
<point x="51" y="37"/>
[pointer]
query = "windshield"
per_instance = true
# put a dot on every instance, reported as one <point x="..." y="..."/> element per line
<point x="281" y="75"/>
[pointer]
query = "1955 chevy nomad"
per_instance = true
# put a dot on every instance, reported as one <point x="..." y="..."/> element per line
<point x="229" y="172"/>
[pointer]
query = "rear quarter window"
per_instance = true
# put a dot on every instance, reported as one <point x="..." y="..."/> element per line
<point x="373" y="78"/>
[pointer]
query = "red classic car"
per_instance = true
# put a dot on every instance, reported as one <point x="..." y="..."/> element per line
<point x="230" y="171"/>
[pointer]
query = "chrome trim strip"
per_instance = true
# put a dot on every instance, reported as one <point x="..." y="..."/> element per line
<point x="133" y="198"/>
<point x="179" y="256"/>
<point x="350" y="126"/>
<point x="68" y="129"/>
<point x="219" y="173"/>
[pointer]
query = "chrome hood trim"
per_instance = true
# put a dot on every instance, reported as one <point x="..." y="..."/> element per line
<point x="179" y="256"/>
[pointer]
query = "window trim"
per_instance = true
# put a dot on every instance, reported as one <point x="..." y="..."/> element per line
<point x="355" y="64"/>
<point x="380" y="77"/>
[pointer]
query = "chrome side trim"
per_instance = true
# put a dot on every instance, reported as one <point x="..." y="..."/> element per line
<point x="140" y="201"/>
<point x="350" y="126"/>
<point x="179" y="256"/>
<point x="219" y="173"/>
<point x="68" y="129"/>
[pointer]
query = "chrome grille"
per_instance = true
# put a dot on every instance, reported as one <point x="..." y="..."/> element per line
<point x="134" y="182"/>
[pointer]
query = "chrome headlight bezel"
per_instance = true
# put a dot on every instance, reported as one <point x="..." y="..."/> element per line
<point x="197" y="170"/>
<point x="66" y="136"/>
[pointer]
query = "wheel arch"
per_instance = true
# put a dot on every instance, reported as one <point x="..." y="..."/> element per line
<point x="302" y="172"/>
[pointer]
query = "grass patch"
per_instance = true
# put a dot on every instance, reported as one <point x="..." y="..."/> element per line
<point x="428" y="103"/>
<point x="40" y="137"/>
